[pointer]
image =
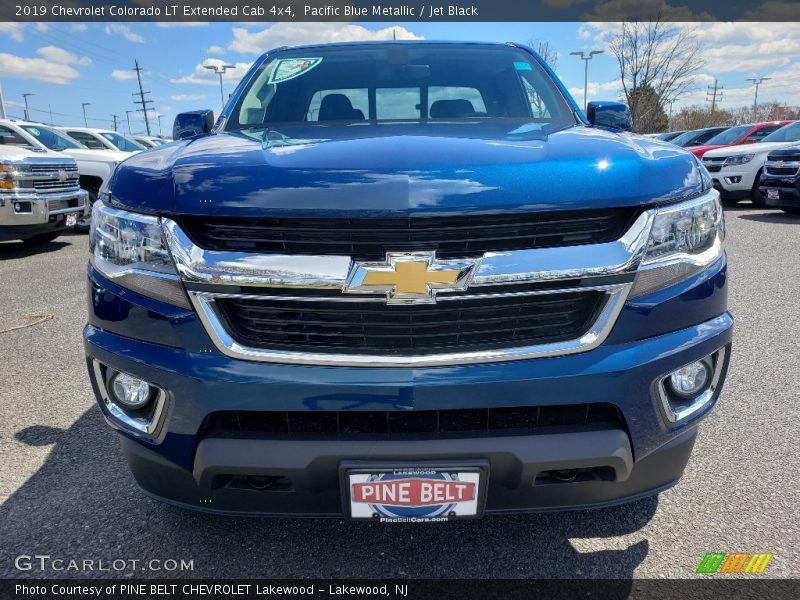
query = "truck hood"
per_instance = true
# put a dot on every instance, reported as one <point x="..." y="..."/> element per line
<point x="104" y="156"/>
<point x="699" y="151"/>
<point x="12" y="152"/>
<point x="746" y="149"/>
<point x="374" y="170"/>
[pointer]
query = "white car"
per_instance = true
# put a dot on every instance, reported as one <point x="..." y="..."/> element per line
<point x="94" y="166"/>
<point x="102" y="139"/>
<point x="736" y="170"/>
<point x="148" y="141"/>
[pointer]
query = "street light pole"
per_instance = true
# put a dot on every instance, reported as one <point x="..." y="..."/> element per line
<point x="85" y="120"/>
<point x="757" y="81"/>
<point x="25" y="98"/>
<point x="586" y="57"/>
<point x="220" y="70"/>
<point x="159" y="124"/>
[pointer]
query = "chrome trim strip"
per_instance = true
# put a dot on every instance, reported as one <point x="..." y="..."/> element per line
<point x="197" y="265"/>
<point x="597" y="333"/>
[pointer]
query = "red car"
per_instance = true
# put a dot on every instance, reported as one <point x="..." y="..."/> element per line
<point x="741" y="134"/>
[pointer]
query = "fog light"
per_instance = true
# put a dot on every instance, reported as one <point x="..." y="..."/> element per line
<point x="690" y="380"/>
<point x="690" y="388"/>
<point x="131" y="392"/>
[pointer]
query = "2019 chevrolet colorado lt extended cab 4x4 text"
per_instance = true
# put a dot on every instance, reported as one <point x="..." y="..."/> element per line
<point x="407" y="281"/>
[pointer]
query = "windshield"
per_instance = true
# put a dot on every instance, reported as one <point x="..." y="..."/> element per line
<point x="788" y="133"/>
<point x="685" y="138"/>
<point x="729" y="135"/>
<point x="52" y="139"/>
<point x="400" y="83"/>
<point x="121" y="142"/>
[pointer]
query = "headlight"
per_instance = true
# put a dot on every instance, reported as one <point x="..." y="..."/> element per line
<point x="129" y="249"/>
<point x="685" y="238"/>
<point x="738" y="160"/>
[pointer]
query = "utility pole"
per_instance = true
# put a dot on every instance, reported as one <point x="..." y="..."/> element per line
<point x="712" y="94"/>
<point x="757" y="81"/>
<point x="25" y="98"/>
<point x="115" y="121"/>
<point x="128" y="117"/>
<point x="586" y="57"/>
<point x="670" y="101"/>
<point x="85" y="120"/>
<point x="2" y="104"/>
<point x="220" y="70"/>
<point x="50" y="110"/>
<point x="159" y="124"/>
<point x="141" y="94"/>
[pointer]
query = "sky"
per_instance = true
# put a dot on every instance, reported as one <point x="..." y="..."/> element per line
<point x="66" y="64"/>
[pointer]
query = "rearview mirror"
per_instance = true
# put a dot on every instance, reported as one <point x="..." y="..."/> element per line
<point x="610" y="115"/>
<point x="192" y="123"/>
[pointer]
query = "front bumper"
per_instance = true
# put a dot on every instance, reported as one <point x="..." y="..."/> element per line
<point x="642" y="454"/>
<point x="733" y="183"/>
<point x="788" y="191"/>
<point x="39" y="213"/>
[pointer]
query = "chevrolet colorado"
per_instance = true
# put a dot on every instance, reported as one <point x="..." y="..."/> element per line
<point x="407" y="281"/>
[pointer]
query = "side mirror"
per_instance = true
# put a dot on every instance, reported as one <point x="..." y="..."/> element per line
<point x="609" y="115"/>
<point x="193" y="123"/>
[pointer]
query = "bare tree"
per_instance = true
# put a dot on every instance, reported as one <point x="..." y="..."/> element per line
<point x="663" y="56"/>
<point x="546" y="51"/>
<point x="698" y="117"/>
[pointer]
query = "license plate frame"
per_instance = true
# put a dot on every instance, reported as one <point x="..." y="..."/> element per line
<point x="773" y="194"/>
<point x="71" y="220"/>
<point x="422" y="470"/>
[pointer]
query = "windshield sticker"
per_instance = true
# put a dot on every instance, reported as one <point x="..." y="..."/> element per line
<point x="522" y="66"/>
<point x="289" y="68"/>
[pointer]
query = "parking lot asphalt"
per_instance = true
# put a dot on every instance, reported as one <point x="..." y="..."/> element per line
<point x="66" y="491"/>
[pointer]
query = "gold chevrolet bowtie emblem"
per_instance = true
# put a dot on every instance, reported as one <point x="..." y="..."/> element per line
<point x="410" y="277"/>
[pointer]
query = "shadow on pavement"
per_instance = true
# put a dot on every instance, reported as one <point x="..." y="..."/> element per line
<point x="20" y="250"/>
<point x="778" y="217"/>
<point x="83" y="504"/>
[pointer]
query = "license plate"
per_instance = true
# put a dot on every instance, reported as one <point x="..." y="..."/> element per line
<point x="415" y="494"/>
<point x="71" y="220"/>
<point x="773" y="194"/>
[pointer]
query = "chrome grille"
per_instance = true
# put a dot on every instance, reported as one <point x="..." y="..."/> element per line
<point x="56" y="185"/>
<point x="52" y="167"/>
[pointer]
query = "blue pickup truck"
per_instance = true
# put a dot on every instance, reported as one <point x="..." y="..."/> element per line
<point x="407" y="281"/>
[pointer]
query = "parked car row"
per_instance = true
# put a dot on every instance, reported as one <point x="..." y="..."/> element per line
<point x="51" y="176"/>
<point x="758" y="161"/>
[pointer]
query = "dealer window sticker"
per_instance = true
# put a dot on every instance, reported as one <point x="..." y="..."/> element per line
<point x="289" y="68"/>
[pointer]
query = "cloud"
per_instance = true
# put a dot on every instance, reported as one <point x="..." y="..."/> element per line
<point x="78" y="27"/>
<point x="54" y="65"/>
<point x="187" y="97"/>
<point x="11" y="30"/>
<point x="609" y="90"/>
<point x="61" y="56"/>
<point x="123" y="74"/>
<point x="204" y="76"/>
<point x="215" y="50"/>
<point x="42" y="27"/>
<point x="115" y="29"/>
<point x="246" y="41"/>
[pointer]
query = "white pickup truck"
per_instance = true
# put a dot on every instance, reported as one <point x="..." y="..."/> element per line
<point x="39" y="193"/>
<point x="94" y="166"/>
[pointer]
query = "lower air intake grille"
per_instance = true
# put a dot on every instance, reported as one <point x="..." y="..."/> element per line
<point x="465" y="324"/>
<point x="425" y="423"/>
